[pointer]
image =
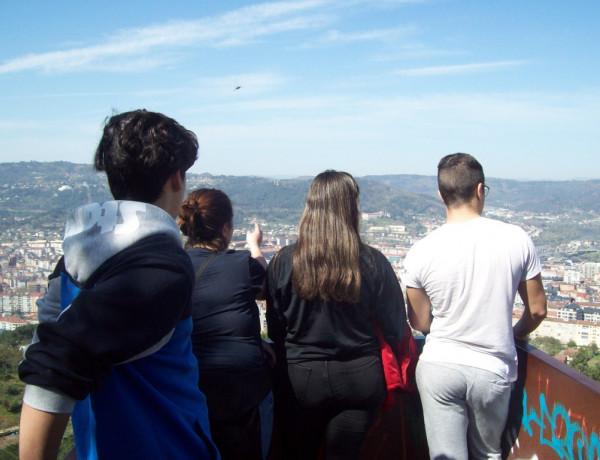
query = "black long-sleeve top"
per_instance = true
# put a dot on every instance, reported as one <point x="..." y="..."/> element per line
<point x="319" y="330"/>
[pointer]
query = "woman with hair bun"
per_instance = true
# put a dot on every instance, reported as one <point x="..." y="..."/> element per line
<point x="327" y="296"/>
<point x="234" y="373"/>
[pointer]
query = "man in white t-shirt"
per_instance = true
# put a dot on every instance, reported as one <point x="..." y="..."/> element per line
<point x="461" y="282"/>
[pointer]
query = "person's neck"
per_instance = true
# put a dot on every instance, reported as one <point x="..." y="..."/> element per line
<point x="166" y="205"/>
<point x="204" y="246"/>
<point x="462" y="213"/>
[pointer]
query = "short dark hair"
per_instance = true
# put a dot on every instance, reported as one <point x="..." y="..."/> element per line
<point x="458" y="177"/>
<point x="202" y="217"/>
<point x="139" y="150"/>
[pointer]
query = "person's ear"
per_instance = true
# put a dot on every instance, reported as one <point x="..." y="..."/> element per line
<point x="226" y="228"/>
<point x="440" y="196"/>
<point x="479" y="191"/>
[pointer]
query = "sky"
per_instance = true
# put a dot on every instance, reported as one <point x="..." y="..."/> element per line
<point x="370" y="87"/>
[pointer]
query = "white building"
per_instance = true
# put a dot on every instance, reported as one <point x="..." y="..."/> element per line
<point x="583" y="333"/>
<point x="590" y="270"/>
<point x="397" y="229"/>
<point x="572" y="276"/>
<point x="570" y="312"/>
<point x="24" y="304"/>
<point x="591" y="314"/>
<point x="10" y="324"/>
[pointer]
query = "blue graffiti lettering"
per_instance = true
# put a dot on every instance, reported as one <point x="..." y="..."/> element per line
<point x="574" y="442"/>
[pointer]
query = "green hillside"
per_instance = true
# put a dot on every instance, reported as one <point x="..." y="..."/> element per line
<point x="37" y="196"/>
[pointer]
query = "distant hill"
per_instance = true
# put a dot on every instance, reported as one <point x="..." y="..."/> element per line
<point x="553" y="197"/>
<point x="37" y="195"/>
<point x="278" y="199"/>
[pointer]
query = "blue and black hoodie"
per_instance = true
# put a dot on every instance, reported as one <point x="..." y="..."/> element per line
<point x="121" y="346"/>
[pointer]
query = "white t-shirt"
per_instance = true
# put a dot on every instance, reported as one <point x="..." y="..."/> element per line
<point x="471" y="272"/>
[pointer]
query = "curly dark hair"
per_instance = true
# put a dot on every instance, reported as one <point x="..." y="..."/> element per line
<point x="139" y="150"/>
<point x="202" y="217"/>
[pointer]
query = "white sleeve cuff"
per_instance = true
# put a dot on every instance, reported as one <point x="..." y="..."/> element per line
<point x="47" y="400"/>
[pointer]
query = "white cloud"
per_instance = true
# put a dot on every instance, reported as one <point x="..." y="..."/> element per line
<point x="19" y="125"/>
<point x="128" y="49"/>
<point x="460" y="69"/>
<point x="253" y="134"/>
<point x="400" y="135"/>
<point x="415" y="50"/>
<point x="384" y="35"/>
<point x="348" y="119"/>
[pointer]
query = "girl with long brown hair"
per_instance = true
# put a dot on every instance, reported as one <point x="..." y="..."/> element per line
<point x="327" y="293"/>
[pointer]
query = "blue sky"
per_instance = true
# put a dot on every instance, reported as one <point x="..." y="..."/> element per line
<point x="369" y="87"/>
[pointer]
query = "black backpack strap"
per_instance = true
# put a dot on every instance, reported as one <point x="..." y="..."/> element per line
<point x="203" y="266"/>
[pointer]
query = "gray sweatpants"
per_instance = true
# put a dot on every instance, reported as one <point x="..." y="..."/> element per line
<point x="465" y="410"/>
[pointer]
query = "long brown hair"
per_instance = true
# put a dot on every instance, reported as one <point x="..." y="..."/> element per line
<point x="326" y="254"/>
<point x="202" y="217"/>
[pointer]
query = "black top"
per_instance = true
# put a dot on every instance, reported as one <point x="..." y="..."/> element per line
<point x="319" y="330"/>
<point x="226" y="335"/>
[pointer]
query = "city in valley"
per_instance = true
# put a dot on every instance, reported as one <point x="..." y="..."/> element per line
<point x="571" y="271"/>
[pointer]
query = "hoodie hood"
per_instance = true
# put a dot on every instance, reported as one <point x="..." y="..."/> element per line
<point x="95" y="232"/>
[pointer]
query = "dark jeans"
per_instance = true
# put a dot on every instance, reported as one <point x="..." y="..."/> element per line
<point x="329" y="405"/>
<point x="233" y="401"/>
<point x="238" y="438"/>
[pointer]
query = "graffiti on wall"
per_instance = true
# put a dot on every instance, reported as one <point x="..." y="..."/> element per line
<point x="560" y="430"/>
